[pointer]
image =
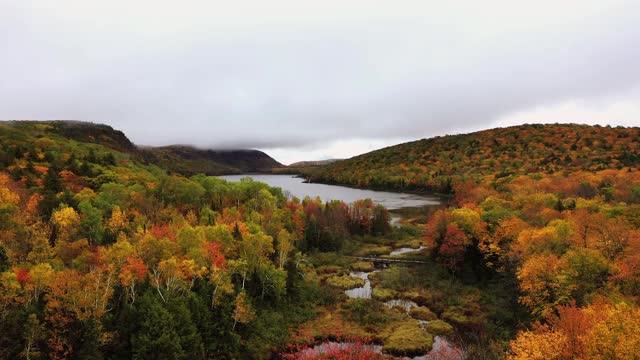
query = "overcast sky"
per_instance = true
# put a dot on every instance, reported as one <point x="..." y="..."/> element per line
<point x="314" y="79"/>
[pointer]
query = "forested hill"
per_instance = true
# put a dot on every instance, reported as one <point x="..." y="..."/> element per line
<point x="302" y="164"/>
<point x="181" y="159"/>
<point x="79" y="131"/>
<point x="188" y="160"/>
<point x="436" y="164"/>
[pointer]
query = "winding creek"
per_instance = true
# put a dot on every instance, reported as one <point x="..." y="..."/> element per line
<point x="294" y="186"/>
<point x="439" y="343"/>
<point x="363" y="292"/>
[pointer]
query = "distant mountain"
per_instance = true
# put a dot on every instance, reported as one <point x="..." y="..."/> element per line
<point x="437" y="164"/>
<point x="186" y="160"/>
<point x="313" y="163"/>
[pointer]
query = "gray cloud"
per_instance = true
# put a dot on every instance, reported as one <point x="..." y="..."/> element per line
<point x="289" y="74"/>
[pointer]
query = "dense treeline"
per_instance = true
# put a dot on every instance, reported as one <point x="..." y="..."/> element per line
<point x="438" y="163"/>
<point x="571" y="241"/>
<point x="102" y="256"/>
<point x="572" y="244"/>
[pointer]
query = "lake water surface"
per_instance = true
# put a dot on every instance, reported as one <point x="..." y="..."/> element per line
<point x="296" y="186"/>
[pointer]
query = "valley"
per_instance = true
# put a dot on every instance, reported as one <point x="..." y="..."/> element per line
<point x="319" y="180"/>
<point x="108" y="252"/>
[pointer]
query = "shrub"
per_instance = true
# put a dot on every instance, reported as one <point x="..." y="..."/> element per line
<point x="382" y="294"/>
<point x="439" y="327"/>
<point x="365" y="311"/>
<point x="330" y="269"/>
<point x="408" y="340"/>
<point x="374" y="250"/>
<point x="332" y="350"/>
<point x="362" y="266"/>
<point x="422" y="313"/>
<point x="345" y="282"/>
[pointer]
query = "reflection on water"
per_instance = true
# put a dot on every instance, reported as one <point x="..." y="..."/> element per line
<point x="403" y="303"/>
<point x="395" y="219"/>
<point x="297" y="187"/>
<point x="442" y="350"/>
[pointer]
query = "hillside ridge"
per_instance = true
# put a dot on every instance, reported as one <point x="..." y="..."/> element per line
<point x="308" y="163"/>
<point x="437" y="163"/>
<point x="184" y="159"/>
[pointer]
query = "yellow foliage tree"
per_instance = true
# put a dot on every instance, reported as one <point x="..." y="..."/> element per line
<point x="242" y="311"/>
<point x="537" y="346"/>
<point x="41" y="276"/>
<point x="66" y="222"/>
<point x="469" y="221"/>
<point x="599" y="331"/>
<point x="617" y="335"/>
<point x="221" y="279"/>
<point x="11" y="293"/>
<point x="285" y="245"/>
<point x="41" y="250"/>
<point x="541" y="284"/>
<point x="118" y="221"/>
<point x="83" y="295"/>
<point x="119" y="253"/>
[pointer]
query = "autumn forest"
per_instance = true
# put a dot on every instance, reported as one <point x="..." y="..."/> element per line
<point x="113" y="251"/>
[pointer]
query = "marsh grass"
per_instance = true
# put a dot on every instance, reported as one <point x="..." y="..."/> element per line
<point x="408" y="339"/>
<point x="363" y="266"/>
<point x="422" y="313"/>
<point x="345" y="282"/>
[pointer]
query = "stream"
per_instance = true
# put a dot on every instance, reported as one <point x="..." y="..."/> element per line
<point x="295" y="186"/>
<point x="440" y="343"/>
<point x="363" y="292"/>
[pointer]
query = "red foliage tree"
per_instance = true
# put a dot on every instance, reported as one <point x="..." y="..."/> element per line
<point x="451" y="252"/>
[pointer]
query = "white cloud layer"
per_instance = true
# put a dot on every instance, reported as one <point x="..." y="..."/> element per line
<point x="310" y="79"/>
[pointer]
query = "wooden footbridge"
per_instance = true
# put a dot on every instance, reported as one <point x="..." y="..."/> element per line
<point x="382" y="260"/>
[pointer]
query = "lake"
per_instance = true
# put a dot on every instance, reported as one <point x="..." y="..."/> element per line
<point x="296" y="186"/>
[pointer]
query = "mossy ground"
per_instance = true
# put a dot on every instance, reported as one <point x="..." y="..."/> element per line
<point x="345" y="282"/>
<point x="363" y="266"/>
<point x="373" y="250"/>
<point x="408" y="339"/>
<point x="370" y="321"/>
<point x="422" y="313"/>
<point x="439" y="327"/>
<point x="413" y="243"/>
<point x="330" y="269"/>
<point x="462" y="306"/>
<point x="382" y="294"/>
<point x="330" y="325"/>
